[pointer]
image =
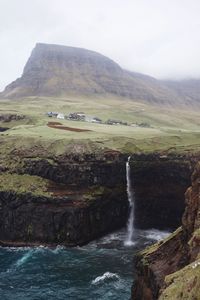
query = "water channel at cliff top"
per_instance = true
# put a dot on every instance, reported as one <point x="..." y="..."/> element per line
<point x="103" y="269"/>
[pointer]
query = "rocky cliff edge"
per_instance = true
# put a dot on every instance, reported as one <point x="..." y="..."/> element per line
<point x="170" y="269"/>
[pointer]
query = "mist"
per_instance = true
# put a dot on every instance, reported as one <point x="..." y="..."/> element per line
<point x="158" y="38"/>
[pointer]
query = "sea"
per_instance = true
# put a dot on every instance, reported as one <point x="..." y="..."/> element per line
<point x="103" y="269"/>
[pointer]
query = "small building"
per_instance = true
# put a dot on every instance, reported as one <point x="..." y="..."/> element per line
<point x="113" y="122"/>
<point x="134" y="125"/>
<point x="77" y="116"/>
<point x="96" y="120"/>
<point x="61" y="116"/>
<point x="144" y="124"/>
<point x="49" y="114"/>
<point x="81" y="115"/>
<point x="52" y="114"/>
<point x="116" y="122"/>
<point x="88" y="118"/>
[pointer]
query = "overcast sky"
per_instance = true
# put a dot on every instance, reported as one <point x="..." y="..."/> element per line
<point x="157" y="37"/>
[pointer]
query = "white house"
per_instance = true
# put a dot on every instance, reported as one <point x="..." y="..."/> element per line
<point x="61" y="116"/>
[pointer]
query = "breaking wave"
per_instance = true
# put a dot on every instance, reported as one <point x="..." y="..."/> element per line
<point x="24" y="258"/>
<point x="157" y="235"/>
<point x="105" y="277"/>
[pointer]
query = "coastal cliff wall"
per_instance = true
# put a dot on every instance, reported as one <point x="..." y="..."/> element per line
<point x="76" y="197"/>
<point x="68" y="200"/>
<point x="159" y="183"/>
<point x="27" y="219"/>
<point x="170" y="269"/>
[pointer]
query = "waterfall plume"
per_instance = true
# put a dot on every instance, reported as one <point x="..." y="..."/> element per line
<point x="131" y="197"/>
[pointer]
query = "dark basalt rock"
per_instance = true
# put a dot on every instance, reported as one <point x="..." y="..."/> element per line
<point x="30" y="220"/>
<point x="170" y="268"/>
<point x="159" y="184"/>
<point x="82" y="174"/>
<point x="88" y="195"/>
<point x="86" y="198"/>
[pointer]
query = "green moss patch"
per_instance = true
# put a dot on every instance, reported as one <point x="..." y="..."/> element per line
<point x="183" y="284"/>
<point x="23" y="184"/>
<point x="94" y="192"/>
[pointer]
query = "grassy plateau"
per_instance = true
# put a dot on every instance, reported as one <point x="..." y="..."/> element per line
<point x="170" y="129"/>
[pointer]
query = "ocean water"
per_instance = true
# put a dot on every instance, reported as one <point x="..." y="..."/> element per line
<point x="103" y="269"/>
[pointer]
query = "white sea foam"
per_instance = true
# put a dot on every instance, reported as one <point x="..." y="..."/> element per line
<point x="116" y="236"/>
<point x="58" y="249"/>
<point x="34" y="249"/>
<point x="104" y="277"/>
<point x="109" y="238"/>
<point x="156" y="234"/>
<point x="30" y="252"/>
<point x="129" y="243"/>
<point x="15" y="249"/>
<point x="24" y="258"/>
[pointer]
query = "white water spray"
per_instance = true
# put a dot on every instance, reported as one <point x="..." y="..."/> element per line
<point x="131" y="196"/>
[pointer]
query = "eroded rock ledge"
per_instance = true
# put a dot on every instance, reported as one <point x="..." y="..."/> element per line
<point x="68" y="200"/>
<point x="28" y="219"/>
<point x="170" y="269"/>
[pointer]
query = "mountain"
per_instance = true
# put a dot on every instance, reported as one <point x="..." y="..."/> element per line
<point x="188" y="89"/>
<point x="54" y="70"/>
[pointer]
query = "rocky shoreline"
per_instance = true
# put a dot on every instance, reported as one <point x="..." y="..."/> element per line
<point x="170" y="269"/>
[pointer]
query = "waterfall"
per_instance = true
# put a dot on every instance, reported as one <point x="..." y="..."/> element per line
<point x="131" y="196"/>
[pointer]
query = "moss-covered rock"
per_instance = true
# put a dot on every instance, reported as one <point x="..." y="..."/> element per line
<point x="24" y="183"/>
<point x="183" y="284"/>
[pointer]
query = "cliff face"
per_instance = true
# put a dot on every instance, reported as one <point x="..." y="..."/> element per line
<point x="70" y="200"/>
<point x="159" y="184"/>
<point x="68" y="217"/>
<point x="77" y="196"/>
<point x="170" y="269"/>
<point x="54" y="70"/>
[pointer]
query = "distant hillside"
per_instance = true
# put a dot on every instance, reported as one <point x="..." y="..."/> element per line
<point x="54" y="70"/>
<point x="189" y="90"/>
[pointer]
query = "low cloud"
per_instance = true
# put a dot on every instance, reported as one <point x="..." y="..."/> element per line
<point x="159" y="38"/>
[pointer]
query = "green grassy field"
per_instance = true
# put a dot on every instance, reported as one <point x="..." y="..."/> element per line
<point x="173" y="129"/>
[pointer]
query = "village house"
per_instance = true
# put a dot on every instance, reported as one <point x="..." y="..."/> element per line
<point x="96" y="120"/>
<point x="61" y="116"/>
<point x="92" y="119"/>
<point x="78" y="116"/>
<point x="116" y="122"/>
<point x="52" y="114"/>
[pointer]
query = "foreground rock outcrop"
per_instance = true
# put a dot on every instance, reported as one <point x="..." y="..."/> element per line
<point x="170" y="269"/>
